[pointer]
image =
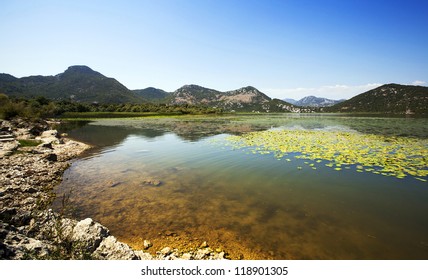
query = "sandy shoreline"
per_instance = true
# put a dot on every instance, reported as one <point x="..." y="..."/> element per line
<point x="29" y="229"/>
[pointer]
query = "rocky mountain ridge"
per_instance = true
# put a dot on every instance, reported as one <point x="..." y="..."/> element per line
<point x="247" y="99"/>
<point x="313" y="101"/>
<point x="82" y="84"/>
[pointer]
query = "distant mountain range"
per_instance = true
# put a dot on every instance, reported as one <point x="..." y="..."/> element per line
<point x="153" y="94"/>
<point x="82" y="84"/>
<point x="313" y="101"/>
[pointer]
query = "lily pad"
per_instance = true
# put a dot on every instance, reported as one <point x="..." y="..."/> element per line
<point x="382" y="155"/>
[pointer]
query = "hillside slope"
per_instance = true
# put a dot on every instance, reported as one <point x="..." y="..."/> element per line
<point x="389" y="98"/>
<point x="245" y="99"/>
<point x="153" y="94"/>
<point x="78" y="83"/>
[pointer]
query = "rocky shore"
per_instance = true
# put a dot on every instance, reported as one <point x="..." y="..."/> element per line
<point x="33" y="158"/>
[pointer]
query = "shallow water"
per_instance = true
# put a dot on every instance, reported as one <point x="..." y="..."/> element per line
<point x="176" y="181"/>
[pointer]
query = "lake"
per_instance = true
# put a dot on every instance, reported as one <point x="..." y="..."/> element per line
<point x="355" y="188"/>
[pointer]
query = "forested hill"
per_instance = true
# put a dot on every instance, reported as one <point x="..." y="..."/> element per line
<point x="77" y="83"/>
<point x="389" y="98"/>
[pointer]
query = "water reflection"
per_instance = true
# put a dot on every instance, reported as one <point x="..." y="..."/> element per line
<point x="248" y="204"/>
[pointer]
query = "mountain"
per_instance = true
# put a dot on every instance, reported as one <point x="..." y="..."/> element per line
<point x="194" y="94"/>
<point x="82" y="84"/>
<point x="389" y="98"/>
<point x="313" y="101"/>
<point x="153" y="94"/>
<point x="290" y="100"/>
<point x="78" y="83"/>
<point x="243" y="99"/>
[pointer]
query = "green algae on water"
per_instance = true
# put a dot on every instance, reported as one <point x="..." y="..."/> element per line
<point x="378" y="154"/>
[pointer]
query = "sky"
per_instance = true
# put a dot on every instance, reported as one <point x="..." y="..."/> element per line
<point x="287" y="49"/>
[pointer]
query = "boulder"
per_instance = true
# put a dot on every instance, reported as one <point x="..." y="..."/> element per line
<point x="166" y="251"/>
<point x="19" y="246"/>
<point x="49" y="136"/>
<point x="89" y="234"/>
<point x="143" y="256"/>
<point x="111" y="249"/>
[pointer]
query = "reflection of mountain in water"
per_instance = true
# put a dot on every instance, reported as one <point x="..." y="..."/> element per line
<point x="105" y="136"/>
<point x="108" y="132"/>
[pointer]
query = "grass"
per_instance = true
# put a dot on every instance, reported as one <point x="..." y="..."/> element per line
<point x="29" y="142"/>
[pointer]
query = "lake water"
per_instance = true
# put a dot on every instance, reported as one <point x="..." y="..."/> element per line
<point x="180" y="181"/>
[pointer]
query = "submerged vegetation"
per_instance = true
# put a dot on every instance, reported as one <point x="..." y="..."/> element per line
<point x="385" y="155"/>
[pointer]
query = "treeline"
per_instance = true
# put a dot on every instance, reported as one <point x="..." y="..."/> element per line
<point x="41" y="107"/>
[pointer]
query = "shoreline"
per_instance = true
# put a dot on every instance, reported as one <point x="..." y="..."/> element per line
<point x="30" y="230"/>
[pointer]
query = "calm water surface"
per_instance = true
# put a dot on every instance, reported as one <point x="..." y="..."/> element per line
<point x="174" y="182"/>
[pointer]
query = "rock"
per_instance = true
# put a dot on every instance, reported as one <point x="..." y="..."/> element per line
<point x="22" y="133"/>
<point x="46" y="145"/>
<point x="51" y="157"/>
<point x="10" y="146"/>
<point x="49" y="133"/>
<point x="89" y="234"/>
<point x="113" y="184"/>
<point x="152" y="182"/>
<point x="147" y="244"/>
<point x="22" y="218"/>
<point x="7" y="214"/>
<point x="170" y="233"/>
<point x="30" y="190"/>
<point x="5" y="126"/>
<point x="6" y="137"/>
<point x="219" y="256"/>
<point x="202" y="253"/>
<point x="37" y="128"/>
<point x="111" y="249"/>
<point x="19" y="246"/>
<point x="166" y="251"/>
<point x="187" y="256"/>
<point x="143" y="256"/>
<point x="5" y="153"/>
<point x="49" y="136"/>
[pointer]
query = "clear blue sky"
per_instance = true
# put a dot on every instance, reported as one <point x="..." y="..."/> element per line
<point x="284" y="48"/>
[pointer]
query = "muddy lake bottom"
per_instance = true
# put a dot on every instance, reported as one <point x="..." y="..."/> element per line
<point x="178" y="182"/>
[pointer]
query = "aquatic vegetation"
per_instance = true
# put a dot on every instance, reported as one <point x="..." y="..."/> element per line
<point x="384" y="155"/>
